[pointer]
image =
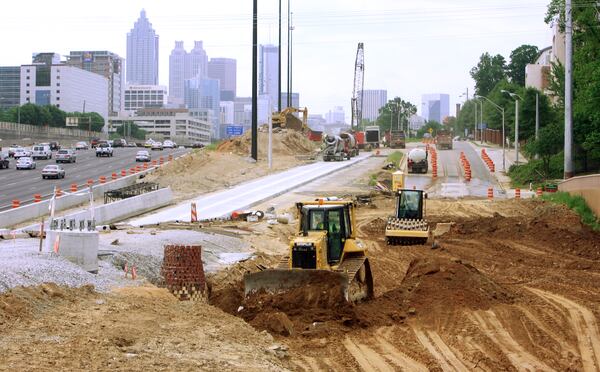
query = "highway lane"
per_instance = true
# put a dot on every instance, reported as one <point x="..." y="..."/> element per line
<point x="23" y="184"/>
<point x="450" y="181"/>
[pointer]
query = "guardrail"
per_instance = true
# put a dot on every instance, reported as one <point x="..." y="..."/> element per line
<point x="586" y="186"/>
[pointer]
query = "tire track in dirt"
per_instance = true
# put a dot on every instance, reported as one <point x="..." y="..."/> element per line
<point x="442" y="353"/>
<point x="518" y="356"/>
<point x="396" y="356"/>
<point x="549" y="332"/>
<point x="367" y="358"/>
<point x="584" y="325"/>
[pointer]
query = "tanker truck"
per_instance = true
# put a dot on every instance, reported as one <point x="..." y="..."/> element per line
<point x="334" y="148"/>
<point x="350" y="144"/>
<point x="417" y="161"/>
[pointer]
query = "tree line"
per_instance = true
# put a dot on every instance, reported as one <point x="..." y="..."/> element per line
<point x="50" y="115"/>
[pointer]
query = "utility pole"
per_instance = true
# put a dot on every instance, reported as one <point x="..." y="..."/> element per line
<point x="475" y="130"/>
<point x="537" y="118"/>
<point x="517" y="130"/>
<point x="279" y="65"/>
<point x="291" y="57"/>
<point x="289" y="97"/>
<point x="481" y="129"/>
<point x="568" y="164"/>
<point x="254" y="153"/>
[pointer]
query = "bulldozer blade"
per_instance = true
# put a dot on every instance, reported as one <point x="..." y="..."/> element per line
<point x="281" y="280"/>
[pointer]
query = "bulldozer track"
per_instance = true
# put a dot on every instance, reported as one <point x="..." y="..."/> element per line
<point x="518" y="356"/>
<point x="367" y="358"/>
<point x="584" y="326"/>
<point x="442" y="353"/>
<point x="284" y="263"/>
<point x="351" y="266"/>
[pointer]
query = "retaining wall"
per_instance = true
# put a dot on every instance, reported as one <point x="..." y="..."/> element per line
<point x="586" y="186"/>
<point x="13" y="132"/>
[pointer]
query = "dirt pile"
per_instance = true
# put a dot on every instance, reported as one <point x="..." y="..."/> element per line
<point x="551" y="225"/>
<point x="24" y="302"/>
<point x="285" y="142"/>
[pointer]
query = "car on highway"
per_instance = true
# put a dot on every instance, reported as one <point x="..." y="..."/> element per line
<point x="119" y="143"/>
<point x="110" y="142"/>
<point x="21" y="152"/>
<point x="66" y="156"/>
<point x="82" y="145"/>
<point x="94" y="142"/>
<point x="4" y="162"/>
<point x="148" y="143"/>
<point x="197" y="145"/>
<point x="168" y="144"/>
<point x="42" y="151"/>
<point x="54" y="146"/>
<point x="53" y="171"/>
<point x="143" y="156"/>
<point x="12" y="149"/>
<point x="25" y="162"/>
<point x="104" y="149"/>
<point x="157" y="146"/>
<point x="132" y="144"/>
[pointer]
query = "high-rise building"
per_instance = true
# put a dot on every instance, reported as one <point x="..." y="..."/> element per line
<point x="435" y="107"/>
<point x="142" y="53"/>
<point x="335" y="116"/>
<point x="372" y="101"/>
<point x="295" y="100"/>
<point x="268" y="71"/>
<point x="204" y="93"/>
<point x="144" y="96"/>
<point x="225" y="70"/>
<point x="69" y="88"/>
<point x="183" y="66"/>
<point x="10" y="86"/>
<point x="107" y="64"/>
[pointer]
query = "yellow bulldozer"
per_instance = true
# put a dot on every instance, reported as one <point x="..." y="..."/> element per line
<point x="325" y="247"/>
<point x="408" y="225"/>
<point x="286" y="119"/>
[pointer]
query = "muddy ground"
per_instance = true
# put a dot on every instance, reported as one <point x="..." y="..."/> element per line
<point x="513" y="285"/>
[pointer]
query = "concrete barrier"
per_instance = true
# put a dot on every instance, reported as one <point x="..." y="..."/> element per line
<point x="123" y="209"/>
<point x="586" y="186"/>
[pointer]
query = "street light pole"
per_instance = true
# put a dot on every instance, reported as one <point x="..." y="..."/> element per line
<point x="516" y="97"/>
<point x="475" y="129"/>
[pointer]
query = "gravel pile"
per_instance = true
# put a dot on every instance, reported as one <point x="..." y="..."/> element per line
<point x="22" y="265"/>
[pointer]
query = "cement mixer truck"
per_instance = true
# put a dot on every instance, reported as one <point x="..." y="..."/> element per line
<point x="350" y="144"/>
<point x="334" y="148"/>
<point x="417" y="161"/>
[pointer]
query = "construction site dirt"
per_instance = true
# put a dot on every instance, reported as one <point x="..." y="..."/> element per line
<point x="508" y="285"/>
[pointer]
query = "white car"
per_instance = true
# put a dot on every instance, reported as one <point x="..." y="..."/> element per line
<point x="157" y="146"/>
<point x="81" y="146"/>
<point x="53" y="171"/>
<point x="21" y="152"/>
<point x="66" y="156"/>
<point x="25" y="162"/>
<point x="168" y="144"/>
<point x="142" y="156"/>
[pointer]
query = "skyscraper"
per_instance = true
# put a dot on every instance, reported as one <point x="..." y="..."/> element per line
<point x="269" y="73"/>
<point x="184" y="66"/>
<point x="224" y="70"/>
<point x="435" y="107"/>
<point x="142" y="53"/>
<point x="372" y="101"/>
<point x="204" y="93"/>
<point x="107" y="64"/>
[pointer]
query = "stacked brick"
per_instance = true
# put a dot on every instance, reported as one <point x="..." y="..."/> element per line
<point x="183" y="272"/>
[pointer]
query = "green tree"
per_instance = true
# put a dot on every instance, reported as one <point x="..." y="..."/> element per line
<point x="431" y="124"/>
<point x="57" y="116"/>
<point x="95" y="123"/>
<point x="519" y="59"/>
<point x="132" y="129"/>
<point x="489" y="71"/>
<point x="549" y="143"/>
<point x="396" y="111"/>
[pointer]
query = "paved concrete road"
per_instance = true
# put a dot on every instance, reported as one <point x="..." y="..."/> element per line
<point x="450" y="181"/>
<point x="23" y="184"/>
<point x="223" y="203"/>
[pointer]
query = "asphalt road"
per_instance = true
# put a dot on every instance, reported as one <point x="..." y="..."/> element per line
<point x="450" y="181"/>
<point x="23" y="184"/>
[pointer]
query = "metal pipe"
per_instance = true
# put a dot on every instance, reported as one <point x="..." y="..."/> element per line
<point x="254" y="149"/>
<point x="568" y="163"/>
<point x="279" y="64"/>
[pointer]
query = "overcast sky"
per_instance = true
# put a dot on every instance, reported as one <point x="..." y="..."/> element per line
<point x="411" y="47"/>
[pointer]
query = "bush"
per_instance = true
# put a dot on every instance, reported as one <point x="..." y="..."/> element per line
<point x="395" y="157"/>
<point x="576" y="203"/>
<point x="533" y="171"/>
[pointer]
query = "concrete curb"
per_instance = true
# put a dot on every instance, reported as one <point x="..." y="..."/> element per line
<point x="119" y="210"/>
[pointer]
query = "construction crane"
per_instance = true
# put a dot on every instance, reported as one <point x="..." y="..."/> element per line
<point x="357" y="93"/>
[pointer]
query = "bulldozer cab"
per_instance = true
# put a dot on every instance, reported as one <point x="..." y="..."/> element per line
<point x="409" y="204"/>
<point x="334" y="220"/>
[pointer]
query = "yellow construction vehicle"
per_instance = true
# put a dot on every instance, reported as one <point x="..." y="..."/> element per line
<point x="325" y="249"/>
<point x="286" y="119"/>
<point x="408" y="226"/>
